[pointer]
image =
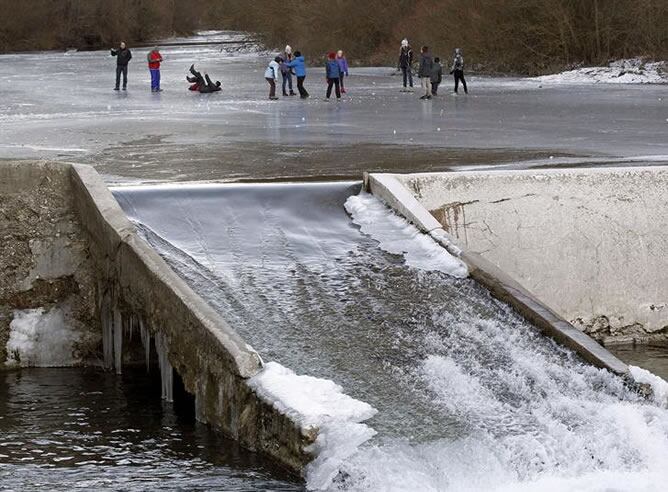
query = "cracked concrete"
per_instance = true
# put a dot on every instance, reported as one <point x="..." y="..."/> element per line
<point x="590" y="243"/>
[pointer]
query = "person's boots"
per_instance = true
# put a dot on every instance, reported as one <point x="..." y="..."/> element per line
<point x="292" y="93"/>
<point x="285" y="93"/>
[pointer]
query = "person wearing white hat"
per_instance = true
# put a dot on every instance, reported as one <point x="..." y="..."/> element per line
<point x="406" y="62"/>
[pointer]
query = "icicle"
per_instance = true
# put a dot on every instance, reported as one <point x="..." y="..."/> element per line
<point x="131" y="327"/>
<point x="107" y="337"/>
<point x="166" y="371"/>
<point x="118" y="340"/>
<point x="146" y="342"/>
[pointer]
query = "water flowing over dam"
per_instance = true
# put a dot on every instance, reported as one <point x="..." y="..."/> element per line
<point x="330" y="283"/>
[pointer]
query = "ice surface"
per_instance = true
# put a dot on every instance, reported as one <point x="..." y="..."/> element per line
<point x="41" y="338"/>
<point x="395" y="235"/>
<point x="178" y="135"/>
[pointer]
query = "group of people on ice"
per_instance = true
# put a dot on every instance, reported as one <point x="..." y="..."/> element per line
<point x="430" y="70"/>
<point x="288" y="66"/>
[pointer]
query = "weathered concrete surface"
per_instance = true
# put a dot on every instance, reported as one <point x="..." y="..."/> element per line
<point x="210" y="357"/>
<point x="44" y="259"/>
<point x="590" y="243"/>
<point x="390" y="189"/>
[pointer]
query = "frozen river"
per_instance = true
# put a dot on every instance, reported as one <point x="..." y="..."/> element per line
<point x="61" y="105"/>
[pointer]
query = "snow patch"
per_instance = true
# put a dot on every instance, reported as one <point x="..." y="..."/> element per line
<point x="630" y="71"/>
<point x="314" y="402"/>
<point x="39" y="338"/>
<point x="395" y="235"/>
<point x="658" y="384"/>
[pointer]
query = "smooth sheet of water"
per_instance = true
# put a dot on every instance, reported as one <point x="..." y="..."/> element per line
<point x="469" y="396"/>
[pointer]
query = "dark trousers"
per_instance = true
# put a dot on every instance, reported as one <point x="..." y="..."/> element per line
<point x="434" y="88"/>
<point x="287" y="80"/>
<point x="333" y="82"/>
<point x="121" y="69"/>
<point x="300" y="87"/>
<point x="341" y="77"/>
<point x="272" y="87"/>
<point x="459" y="75"/>
<point x="408" y="75"/>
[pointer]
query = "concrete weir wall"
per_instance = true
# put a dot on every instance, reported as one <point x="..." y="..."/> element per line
<point x="122" y="284"/>
<point x="592" y="244"/>
<point x="404" y="200"/>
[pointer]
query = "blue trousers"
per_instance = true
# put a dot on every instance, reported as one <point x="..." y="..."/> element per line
<point x="155" y="79"/>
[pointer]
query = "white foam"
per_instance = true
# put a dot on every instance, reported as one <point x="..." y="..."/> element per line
<point x="659" y="385"/>
<point x="395" y="235"/>
<point x="39" y="338"/>
<point x="320" y="403"/>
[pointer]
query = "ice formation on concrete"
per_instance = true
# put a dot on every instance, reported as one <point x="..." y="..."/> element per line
<point x="658" y="384"/>
<point x="395" y="235"/>
<point x="118" y="341"/>
<point x="41" y="338"/>
<point x="146" y="342"/>
<point x="166" y="371"/>
<point x="320" y="403"/>
<point x="630" y="71"/>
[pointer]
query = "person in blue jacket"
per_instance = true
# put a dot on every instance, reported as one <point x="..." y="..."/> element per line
<point x="299" y="64"/>
<point x="333" y="75"/>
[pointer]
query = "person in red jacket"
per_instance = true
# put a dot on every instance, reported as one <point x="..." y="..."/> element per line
<point x="154" y="58"/>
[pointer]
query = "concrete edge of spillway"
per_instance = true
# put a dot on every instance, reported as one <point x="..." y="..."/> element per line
<point x="127" y="286"/>
<point x="501" y="285"/>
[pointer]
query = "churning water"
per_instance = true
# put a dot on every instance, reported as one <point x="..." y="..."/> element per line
<point x="469" y="396"/>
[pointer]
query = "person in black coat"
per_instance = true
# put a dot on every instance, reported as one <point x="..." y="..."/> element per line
<point x="123" y="56"/>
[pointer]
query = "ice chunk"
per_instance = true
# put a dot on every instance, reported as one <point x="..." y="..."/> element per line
<point x="40" y="338"/>
<point x="658" y="384"/>
<point x="321" y="403"/>
<point x="395" y="235"/>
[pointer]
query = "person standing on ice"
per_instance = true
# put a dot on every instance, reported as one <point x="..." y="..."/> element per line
<point x="424" y="72"/>
<point x="286" y="71"/>
<point x="343" y="68"/>
<point x="406" y="63"/>
<point x="299" y="64"/>
<point x="458" y="70"/>
<point x="436" y="76"/>
<point x="154" y="59"/>
<point x="123" y="56"/>
<point x="271" y="75"/>
<point x="333" y="75"/>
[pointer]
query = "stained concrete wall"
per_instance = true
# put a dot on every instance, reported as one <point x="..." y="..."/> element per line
<point x="592" y="244"/>
<point x="117" y="272"/>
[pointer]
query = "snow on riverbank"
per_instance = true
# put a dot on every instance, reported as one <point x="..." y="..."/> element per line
<point x="630" y="71"/>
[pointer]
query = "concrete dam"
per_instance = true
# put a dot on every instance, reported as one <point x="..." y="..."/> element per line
<point x="344" y="330"/>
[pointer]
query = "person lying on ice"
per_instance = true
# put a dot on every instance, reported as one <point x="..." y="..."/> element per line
<point x="201" y="84"/>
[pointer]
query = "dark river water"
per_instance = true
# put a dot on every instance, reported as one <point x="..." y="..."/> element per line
<point x="84" y="429"/>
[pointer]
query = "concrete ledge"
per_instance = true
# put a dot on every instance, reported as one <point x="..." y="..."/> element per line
<point x="389" y="189"/>
<point x="213" y="361"/>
